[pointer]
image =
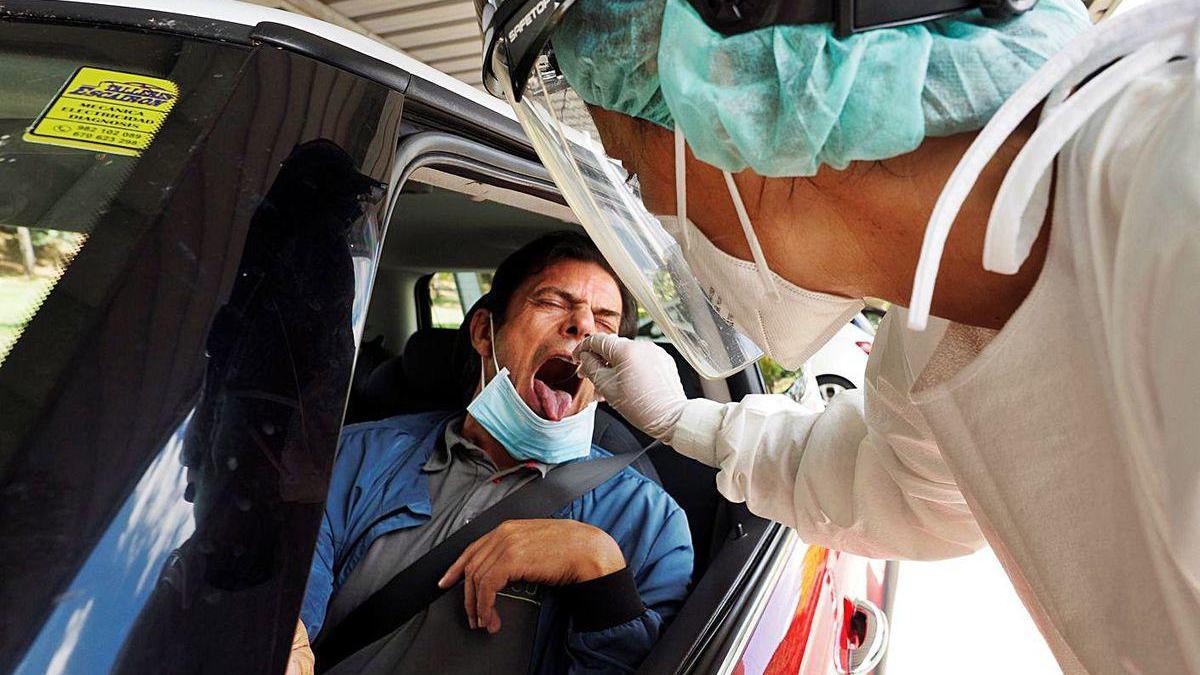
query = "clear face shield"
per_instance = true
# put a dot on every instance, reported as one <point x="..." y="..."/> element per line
<point x="609" y="206"/>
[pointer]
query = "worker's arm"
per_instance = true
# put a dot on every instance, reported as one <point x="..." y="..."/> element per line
<point x="829" y="475"/>
<point x="862" y="476"/>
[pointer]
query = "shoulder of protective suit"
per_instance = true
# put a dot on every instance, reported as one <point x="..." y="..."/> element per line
<point x="1145" y="136"/>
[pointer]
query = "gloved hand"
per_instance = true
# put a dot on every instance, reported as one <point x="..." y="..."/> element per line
<point x="638" y="378"/>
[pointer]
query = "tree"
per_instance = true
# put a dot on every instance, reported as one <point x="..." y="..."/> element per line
<point x="25" y="241"/>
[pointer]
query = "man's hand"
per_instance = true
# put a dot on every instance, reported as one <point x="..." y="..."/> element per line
<point x="638" y="378"/>
<point x="301" y="660"/>
<point x="553" y="552"/>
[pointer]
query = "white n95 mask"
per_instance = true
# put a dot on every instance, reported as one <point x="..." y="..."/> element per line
<point x="789" y="323"/>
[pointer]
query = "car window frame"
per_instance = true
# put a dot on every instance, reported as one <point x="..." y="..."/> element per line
<point x="713" y="621"/>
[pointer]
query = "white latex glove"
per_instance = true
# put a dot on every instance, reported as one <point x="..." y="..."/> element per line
<point x="638" y="378"/>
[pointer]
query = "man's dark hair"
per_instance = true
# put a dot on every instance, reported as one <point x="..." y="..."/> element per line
<point x="527" y="261"/>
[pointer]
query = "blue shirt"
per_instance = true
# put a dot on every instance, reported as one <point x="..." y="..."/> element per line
<point x="378" y="487"/>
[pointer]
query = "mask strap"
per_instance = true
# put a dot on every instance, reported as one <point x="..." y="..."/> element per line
<point x="760" y="260"/>
<point x="1010" y="234"/>
<point x="681" y="186"/>
<point x="492" y="334"/>
<point x="482" y="376"/>
<point x="1105" y="42"/>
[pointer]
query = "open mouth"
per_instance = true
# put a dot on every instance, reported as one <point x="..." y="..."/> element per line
<point x="554" y="385"/>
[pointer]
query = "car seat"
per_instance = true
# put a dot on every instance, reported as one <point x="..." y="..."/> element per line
<point x="422" y="379"/>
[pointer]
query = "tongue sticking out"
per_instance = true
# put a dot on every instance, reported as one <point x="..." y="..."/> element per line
<point x="554" y="385"/>
<point x="554" y="403"/>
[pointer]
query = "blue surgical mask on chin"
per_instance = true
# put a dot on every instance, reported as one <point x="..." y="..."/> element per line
<point x="503" y="413"/>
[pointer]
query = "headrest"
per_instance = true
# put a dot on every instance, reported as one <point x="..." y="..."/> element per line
<point x="429" y="372"/>
<point x="383" y="395"/>
<point x="421" y="379"/>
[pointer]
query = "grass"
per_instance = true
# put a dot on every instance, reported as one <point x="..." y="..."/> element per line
<point x="19" y="299"/>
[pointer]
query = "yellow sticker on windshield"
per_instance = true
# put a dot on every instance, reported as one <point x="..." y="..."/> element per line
<point x="106" y="111"/>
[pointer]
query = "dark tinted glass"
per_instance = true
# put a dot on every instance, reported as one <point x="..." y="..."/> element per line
<point x="52" y="191"/>
<point x="170" y="411"/>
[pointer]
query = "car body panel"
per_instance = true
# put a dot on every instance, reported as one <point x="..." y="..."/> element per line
<point x="247" y="14"/>
<point x="799" y="629"/>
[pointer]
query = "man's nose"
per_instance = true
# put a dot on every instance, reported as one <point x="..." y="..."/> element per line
<point x="580" y="323"/>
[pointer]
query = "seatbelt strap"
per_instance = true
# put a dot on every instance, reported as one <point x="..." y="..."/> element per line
<point x="415" y="587"/>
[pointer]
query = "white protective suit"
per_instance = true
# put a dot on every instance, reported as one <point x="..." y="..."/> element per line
<point x="1067" y="440"/>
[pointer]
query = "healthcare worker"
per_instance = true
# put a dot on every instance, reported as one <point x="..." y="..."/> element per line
<point x="1044" y="400"/>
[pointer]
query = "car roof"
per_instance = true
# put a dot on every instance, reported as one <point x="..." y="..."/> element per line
<point x="247" y="14"/>
<point x="250" y="15"/>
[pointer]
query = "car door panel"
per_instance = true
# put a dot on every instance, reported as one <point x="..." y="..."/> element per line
<point x="164" y="489"/>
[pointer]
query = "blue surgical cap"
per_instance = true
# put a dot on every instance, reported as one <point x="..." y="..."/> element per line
<point x="785" y="100"/>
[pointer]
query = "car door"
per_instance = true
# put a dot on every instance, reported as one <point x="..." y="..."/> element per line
<point x="172" y="384"/>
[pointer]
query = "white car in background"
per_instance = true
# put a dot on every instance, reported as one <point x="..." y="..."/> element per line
<point x="840" y="365"/>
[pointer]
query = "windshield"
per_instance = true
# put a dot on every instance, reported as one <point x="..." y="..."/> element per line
<point x="73" y="124"/>
<point x="96" y="126"/>
<point x="188" y="232"/>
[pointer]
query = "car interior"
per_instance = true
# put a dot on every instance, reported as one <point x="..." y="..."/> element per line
<point x="445" y="235"/>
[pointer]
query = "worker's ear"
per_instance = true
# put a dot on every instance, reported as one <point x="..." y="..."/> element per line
<point x="481" y="335"/>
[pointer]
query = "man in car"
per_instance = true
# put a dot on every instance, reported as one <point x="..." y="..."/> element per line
<point x="614" y="565"/>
